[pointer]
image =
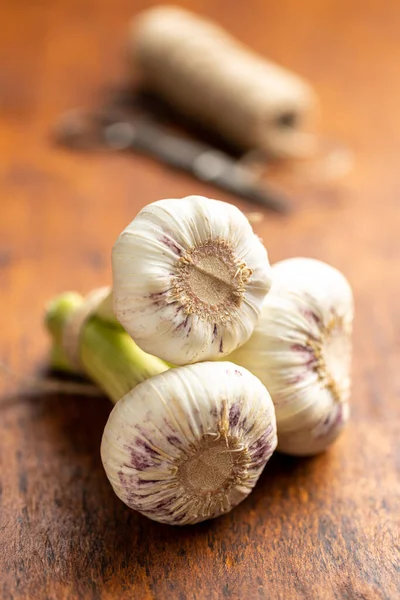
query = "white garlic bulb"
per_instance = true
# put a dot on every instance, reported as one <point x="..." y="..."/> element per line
<point x="189" y="278"/>
<point x="301" y="351"/>
<point x="189" y="444"/>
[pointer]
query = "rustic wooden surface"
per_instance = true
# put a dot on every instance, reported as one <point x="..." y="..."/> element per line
<point x="320" y="528"/>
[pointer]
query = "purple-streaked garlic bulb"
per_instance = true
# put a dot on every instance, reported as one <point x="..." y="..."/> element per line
<point x="189" y="279"/>
<point x="189" y="444"/>
<point x="301" y="350"/>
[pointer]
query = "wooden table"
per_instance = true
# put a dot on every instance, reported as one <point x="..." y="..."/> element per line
<point x="323" y="528"/>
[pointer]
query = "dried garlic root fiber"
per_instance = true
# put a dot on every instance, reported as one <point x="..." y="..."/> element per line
<point x="186" y="444"/>
<point x="189" y="278"/>
<point x="301" y="351"/>
<point x="203" y="71"/>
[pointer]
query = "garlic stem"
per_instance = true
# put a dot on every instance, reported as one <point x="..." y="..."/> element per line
<point x="108" y="355"/>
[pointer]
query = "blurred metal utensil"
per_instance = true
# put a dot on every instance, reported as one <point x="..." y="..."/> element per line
<point x="146" y="136"/>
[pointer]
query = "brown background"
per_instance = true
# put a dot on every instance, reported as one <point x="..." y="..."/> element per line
<point x="321" y="528"/>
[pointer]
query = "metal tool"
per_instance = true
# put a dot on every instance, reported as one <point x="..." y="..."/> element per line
<point x="146" y="136"/>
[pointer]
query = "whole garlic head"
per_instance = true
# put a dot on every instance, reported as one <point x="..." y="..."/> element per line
<point x="189" y="444"/>
<point x="301" y="351"/>
<point x="189" y="278"/>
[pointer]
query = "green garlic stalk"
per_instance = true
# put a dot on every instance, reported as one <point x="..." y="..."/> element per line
<point x="107" y="355"/>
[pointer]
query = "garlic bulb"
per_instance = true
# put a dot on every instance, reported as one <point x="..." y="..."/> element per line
<point x="189" y="278"/>
<point x="301" y="351"/>
<point x="189" y="444"/>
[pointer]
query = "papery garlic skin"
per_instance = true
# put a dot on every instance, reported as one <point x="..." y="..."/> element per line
<point x="301" y="351"/>
<point x="189" y="444"/>
<point x="189" y="278"/>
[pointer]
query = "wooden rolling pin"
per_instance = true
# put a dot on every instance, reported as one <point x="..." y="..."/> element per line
<point x="204" y="72"/>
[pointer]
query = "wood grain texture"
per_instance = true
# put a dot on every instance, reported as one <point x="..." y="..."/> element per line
<point x="319" y="528"/>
